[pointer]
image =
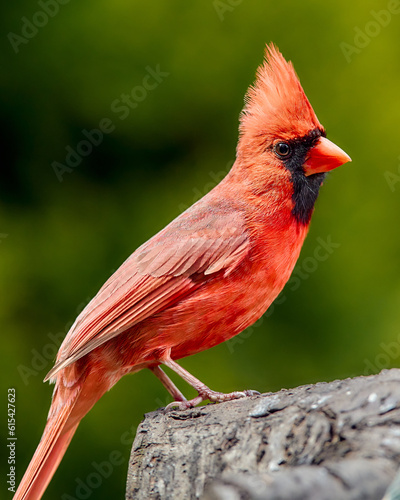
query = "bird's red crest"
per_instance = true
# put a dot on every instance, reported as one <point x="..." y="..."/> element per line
<point x="276" y="105"/>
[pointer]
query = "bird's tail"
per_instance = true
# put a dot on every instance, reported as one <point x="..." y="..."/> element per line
<point x="55" y="440"/>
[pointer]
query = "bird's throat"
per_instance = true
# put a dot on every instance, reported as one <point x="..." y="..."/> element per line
<point x="305" y="194"/>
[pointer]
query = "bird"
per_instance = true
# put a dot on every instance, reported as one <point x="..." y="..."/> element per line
<point x="208" y="275"/>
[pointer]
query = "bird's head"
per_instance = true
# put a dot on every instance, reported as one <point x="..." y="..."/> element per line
<point x="281" y="136"/>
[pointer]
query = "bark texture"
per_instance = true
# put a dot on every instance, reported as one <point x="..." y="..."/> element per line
<point x="328" y="441"/>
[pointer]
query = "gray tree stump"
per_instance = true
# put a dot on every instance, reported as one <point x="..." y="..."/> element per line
<point x="328" y="441"/>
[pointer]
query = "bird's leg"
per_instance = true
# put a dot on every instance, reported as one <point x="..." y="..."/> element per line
<point x="168" y="384"/>
<point x="204" y="391"/>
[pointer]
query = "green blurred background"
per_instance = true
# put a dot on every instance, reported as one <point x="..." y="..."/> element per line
<point x="59" y="241"/>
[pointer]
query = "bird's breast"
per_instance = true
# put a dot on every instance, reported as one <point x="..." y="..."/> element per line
<point x="225" y="305"/>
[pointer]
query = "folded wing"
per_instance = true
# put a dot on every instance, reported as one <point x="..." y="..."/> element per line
<point x="170" y="266"/>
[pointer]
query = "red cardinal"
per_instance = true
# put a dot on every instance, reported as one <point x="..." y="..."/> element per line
<point x="207" y="276"/>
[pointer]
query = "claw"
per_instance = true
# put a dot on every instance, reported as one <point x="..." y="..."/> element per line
<point x="251" y="392"/>
<point x="184" y="405"/>
<point x="175" y="405"/>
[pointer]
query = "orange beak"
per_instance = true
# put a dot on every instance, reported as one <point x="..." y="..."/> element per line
<point x="324" y="156"/>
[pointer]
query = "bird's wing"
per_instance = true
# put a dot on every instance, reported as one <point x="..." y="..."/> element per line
<point x="200" y="242"/>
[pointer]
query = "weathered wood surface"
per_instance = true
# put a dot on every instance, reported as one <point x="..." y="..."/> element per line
<point x="329" y="441"/>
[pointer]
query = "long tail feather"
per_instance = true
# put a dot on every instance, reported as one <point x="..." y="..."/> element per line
<point x="48" y="454"/>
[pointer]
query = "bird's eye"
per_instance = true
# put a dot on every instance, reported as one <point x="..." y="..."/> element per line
<point x="282" y="149"/>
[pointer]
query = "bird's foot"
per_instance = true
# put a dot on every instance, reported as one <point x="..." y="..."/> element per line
<point x="214" y="397"/>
